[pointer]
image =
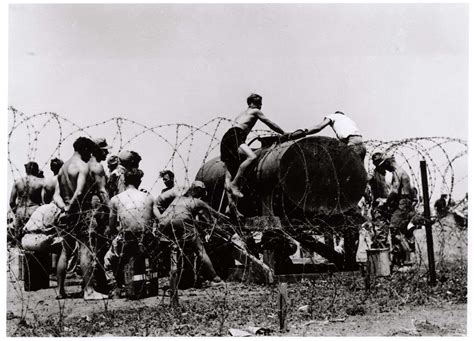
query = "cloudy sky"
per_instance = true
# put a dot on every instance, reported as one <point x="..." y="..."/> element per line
<point x="399" y="70"/>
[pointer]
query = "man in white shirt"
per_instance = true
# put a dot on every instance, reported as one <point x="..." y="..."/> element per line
<point x="345" y="129"/>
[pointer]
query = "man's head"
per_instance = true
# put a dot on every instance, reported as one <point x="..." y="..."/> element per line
<point x="102" y="149"/>
<point x="55" y="165"/>
<point x="378" y="159"/>
<point x="31" y="168"/>
<point x="133" y="177"/>
<point x="196" y="190"/>
<point x="444" y="196"/>
<point x="168" y="178"/>
<point x="112" y="162"/>
<point x="84" y="147"/>
<point x="254" y="101"/>
<point x="129" y="159"/>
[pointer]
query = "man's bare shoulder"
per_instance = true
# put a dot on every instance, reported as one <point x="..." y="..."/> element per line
<point x="96" y="168"/>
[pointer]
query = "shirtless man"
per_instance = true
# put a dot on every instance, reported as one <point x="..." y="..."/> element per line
<point x="346" y="131"/>
<point x="100" y="206"/>
<point x="233" y="142"/>
<point x="73" y="196"/>
<point x="131" y="221"/>
<point x="169" y="193"/>
<point x="25" y="197"/>
<point x="178" y="224"/>
<point x="401" y="197"/>
<point x="50" y="183"/>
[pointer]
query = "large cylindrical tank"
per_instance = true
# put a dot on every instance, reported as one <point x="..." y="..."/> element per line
<point x="311" y="176"/>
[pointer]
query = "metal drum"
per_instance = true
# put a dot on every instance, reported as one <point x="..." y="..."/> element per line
<point x="311" y="176"/>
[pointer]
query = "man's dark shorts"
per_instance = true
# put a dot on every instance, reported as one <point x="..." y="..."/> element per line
<point x="230" y="143"/>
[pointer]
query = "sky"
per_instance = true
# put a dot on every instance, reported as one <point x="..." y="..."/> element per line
<point x="399" y="70"/>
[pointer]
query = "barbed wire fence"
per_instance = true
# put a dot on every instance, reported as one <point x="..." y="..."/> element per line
<point x="184" y="148"/>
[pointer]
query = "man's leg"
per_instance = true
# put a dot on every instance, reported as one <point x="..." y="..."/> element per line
<point x="207" y="268"/>
<point x="87" y="269"/>
<point x="68" y="245"/>
<point x="235" y="184"/>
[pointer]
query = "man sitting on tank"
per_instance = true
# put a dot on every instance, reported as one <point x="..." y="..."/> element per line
<point x="178" y="223"/>
<point x="233" y="142"/>
<point x="345" y="129"/>
<point x="130" y="225"/>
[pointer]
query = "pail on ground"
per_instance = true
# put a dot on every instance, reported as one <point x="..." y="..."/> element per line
<point x="378" y="262"/>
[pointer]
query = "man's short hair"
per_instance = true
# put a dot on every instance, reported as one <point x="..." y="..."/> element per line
<point x="254" y="99"/>
<point x="167" y="172"/>
<point x="129" y="159"/>
<point x="31" y="168"/>
<point x="133" y="177"/>
<point x="83" y="144"/>
<point x="55" y="165"/>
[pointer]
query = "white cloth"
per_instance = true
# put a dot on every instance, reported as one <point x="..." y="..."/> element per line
<point x="343" y="126"/>
<point x="43" y="219"/>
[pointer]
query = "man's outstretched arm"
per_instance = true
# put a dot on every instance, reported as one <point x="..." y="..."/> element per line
<point x="317" y="128"/>
<point x="272" y="125"/>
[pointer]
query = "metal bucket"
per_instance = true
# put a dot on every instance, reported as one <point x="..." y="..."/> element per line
<point x="379" y="262"/>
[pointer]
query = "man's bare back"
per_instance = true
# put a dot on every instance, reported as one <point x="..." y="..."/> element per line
<point x="183" y="209"/>
<point x="73" y="173"/>
<point x="48" y="188"/>
<point x="28" y="191"/>
<point x="134" y="210"/>
<point x="246" y="120"/>
<point x="401" y="182"/>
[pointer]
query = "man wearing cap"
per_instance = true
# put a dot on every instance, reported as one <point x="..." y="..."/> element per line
<point x="346" y="131"/>
<point x="50" y="182"/>
<point x="25" y="197"/>
<point x="73" y="196"/>
<point x="127" y="160"/>
<point x="130" y="223"/>
<point x="400" y="198"/>
<point x="112" y="163"/>
<point x="178" y="224"/>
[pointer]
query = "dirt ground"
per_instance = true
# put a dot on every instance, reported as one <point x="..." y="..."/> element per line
<point x="241" y="306"/>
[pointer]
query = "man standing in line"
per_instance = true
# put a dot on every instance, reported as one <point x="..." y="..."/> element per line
<point x="25" y="197"/>
<point x="73" y="195"/>
<point x="50" y="183"/>
<point x="169" y="193"/>
<point x="101" y="210"/>
<point x="346" y="131"/>
<point x="233" y="142"/>
<point x="130" y="223"/>
<point x="441" y="206"/>
<point x="127" y="160"/>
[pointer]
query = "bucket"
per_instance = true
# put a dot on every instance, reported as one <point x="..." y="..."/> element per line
<point x="379" y="262"/>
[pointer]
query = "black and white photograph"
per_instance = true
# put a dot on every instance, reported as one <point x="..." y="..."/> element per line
<point x="236" y="169"/>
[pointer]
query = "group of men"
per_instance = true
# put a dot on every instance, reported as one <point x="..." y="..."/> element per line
<point x="104" y="213"/>
<point x="81" y="207"/>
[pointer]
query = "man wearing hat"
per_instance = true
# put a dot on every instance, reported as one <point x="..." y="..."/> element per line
<point x="401" y="198"/>
<point x="25" y="196"/>
<point x="128" y="159"/>
<point x="178" y="224"/>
